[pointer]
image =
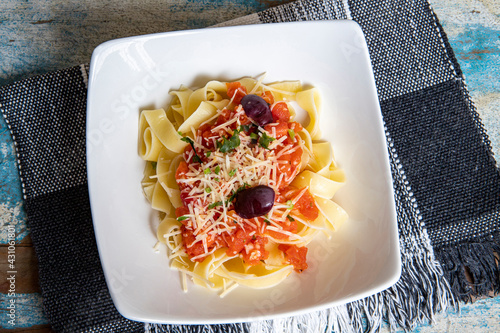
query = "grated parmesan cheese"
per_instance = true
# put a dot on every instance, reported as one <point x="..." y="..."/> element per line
<point x="209" y="184"/>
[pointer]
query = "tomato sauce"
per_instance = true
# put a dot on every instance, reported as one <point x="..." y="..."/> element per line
<point x="249" y="244"/>
<point x="295" y="255"/>
<point x="245" y="239"/>
<point x="236" y="91"/>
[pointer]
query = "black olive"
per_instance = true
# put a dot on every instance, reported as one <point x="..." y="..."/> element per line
<point x="254" y="201"/>
<point x="257" y="109"/>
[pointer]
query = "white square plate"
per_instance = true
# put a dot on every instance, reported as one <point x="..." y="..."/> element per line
<point x="131" y="74"/>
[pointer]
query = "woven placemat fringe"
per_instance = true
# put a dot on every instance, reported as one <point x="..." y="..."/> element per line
<point x="321" y="321"/>
<point x="226" y="328"/>
<point x="416" y="297"/>
<point x="472" y="269"/>
<point x="420" y="293"/>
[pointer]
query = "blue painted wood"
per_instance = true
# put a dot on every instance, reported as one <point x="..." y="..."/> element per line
<point x="41" y="36"/>
<point x="28" y="311"/>
<point x="473" y="29"/>
<point x="11" y="208"/>
<point x="478" y="53"/>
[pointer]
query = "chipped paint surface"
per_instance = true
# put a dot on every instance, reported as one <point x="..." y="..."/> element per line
<point x="12" y="216"/>
<point x="37" y="35"/>
<point x="473" y="30"/>
<point x="483" y="316"/>
<point x="28" y="311"/>
<point x="11" y="204"/>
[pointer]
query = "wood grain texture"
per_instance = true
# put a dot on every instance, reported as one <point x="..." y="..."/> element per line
<point x="26" y="314"/>
<point x="40" y="36"/>
<point x="33" y="329"/>
<point x="473" y="29"/>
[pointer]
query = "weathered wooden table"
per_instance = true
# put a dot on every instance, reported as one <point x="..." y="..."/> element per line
<point x="40" y="36"/>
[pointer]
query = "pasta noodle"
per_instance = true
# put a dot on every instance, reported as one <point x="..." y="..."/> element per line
<point x="206" y="152"/>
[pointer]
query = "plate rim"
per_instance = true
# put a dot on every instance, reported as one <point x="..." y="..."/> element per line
<point x="102" y="48"/>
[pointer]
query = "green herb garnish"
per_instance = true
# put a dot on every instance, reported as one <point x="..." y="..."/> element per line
<point x="291" y="132"/>
<point x="232" y="173"/>
<point x="244" y="128"/>
<point x="291" y="219"/>
<point x="265" y="140"/>
<point x="247" y="127"/>
<point x="182" y="218"/>
<point x="289" y="204"/>
<point x="196" y="158"/>
<point x="153" y="164"/>
<point x="188" y="140"/>
<point x="208" y="189"/>
<point x="217" y="170"/>
<point x="229" y="144"/>
<point x="206" y="171"/>
<point x="267" y="221"/>
<point x="215" y="204"/>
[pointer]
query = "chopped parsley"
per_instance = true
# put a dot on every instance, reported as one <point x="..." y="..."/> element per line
<point x="247" y="127"/>
<point x="254" y="136"/>
<point x="244" y="128"/>
<point x="291" y="219"/>
<point x="265" y="140"/>
<point x="208" y="153"/>
<point x="217" y="170"/>
<point x="188" y="140"/>
<point x="226" y="145"/>
<point x="291" y="132"/>
<point x="196" y="158"/>
<point x="215" y="204"/>
<point x="208" y="189"/>
<point x="267" y="221"/>
<point x="232" y="173"/>
<point x="289" y="204"/>
<point x="206" y="171"/>
<point x="182" y="218"/>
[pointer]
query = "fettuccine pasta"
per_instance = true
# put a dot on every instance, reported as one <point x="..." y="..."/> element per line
<point x="241" y="192"/>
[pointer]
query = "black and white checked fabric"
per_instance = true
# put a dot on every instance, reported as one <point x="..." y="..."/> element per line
<point x="46" y="115"/>
<point x="447" y="185"/>
<point x="54" y="99"/>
